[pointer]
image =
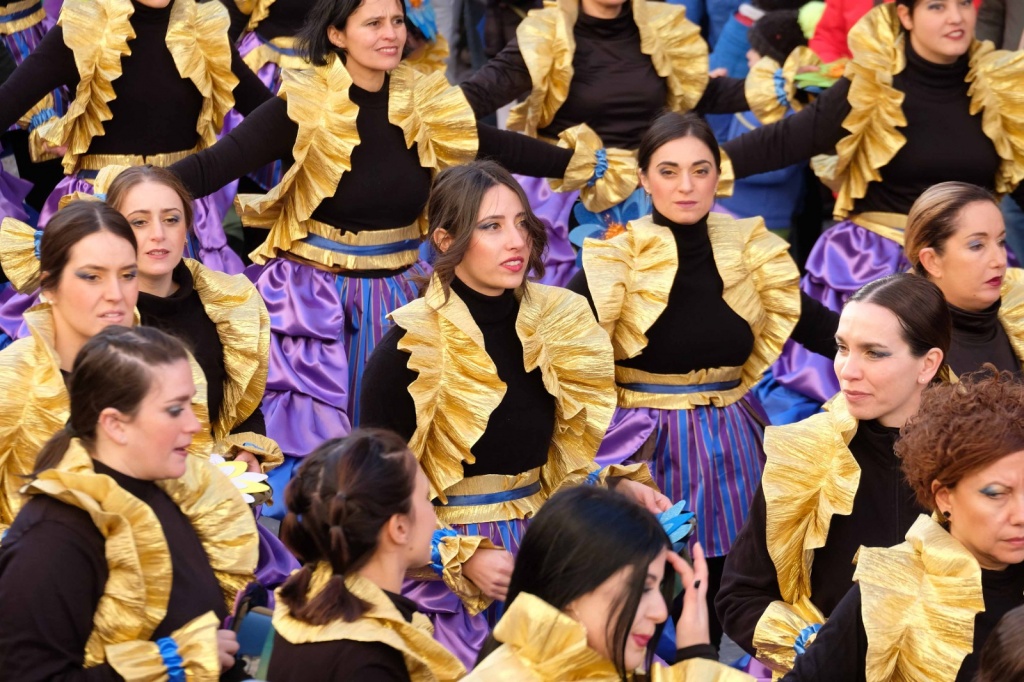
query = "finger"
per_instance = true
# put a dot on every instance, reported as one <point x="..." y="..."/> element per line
<point x="700" y="566"/>
<point x="664" y="504"/>
<point x="677" y="562"/>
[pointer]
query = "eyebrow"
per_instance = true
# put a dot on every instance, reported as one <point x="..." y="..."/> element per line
<point x="521" y="214"/>
<point x="677" y="165"/>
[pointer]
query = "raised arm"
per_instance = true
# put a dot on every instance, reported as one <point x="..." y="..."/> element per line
<point x="498" y="82"/>
<point x="523" y="154"/>
<point x="816" y="329"/>
<point x="723" y="96"/>
<point x="250" y="92"/>
<point x="50" y="66"/>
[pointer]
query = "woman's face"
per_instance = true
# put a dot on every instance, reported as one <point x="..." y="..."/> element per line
<point x="97" y="288"/>
<point x="594" y="611"/>
<point x="986" y="512"/>
<point x="940" y="30"/>
<point x="423" y="519"/>
<point x="157" y="216"/>
<point x="879" y="376"/>
<point x="373" y="38"/>
<point x="682" y="178"/>
<point x="973" y="261"/>
<point x="156" y="4"/>
<point x="499" y="249"/>
<point x="157" y="437"/>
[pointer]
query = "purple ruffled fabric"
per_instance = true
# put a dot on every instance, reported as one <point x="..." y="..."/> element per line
<point x="553" y="209"/>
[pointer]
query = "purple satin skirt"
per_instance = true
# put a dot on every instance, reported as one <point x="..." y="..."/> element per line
<point x="460" y="633"/>
<point x="275" y="562"/>
<point x="709" y="456"/>
<point x="845" y="258"/>
<point x="214" y="251"/>
<point x="553" y="208"/>
<point x="13" y="191"/>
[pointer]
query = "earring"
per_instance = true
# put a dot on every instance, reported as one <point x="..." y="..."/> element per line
<point x="947" y="514"/>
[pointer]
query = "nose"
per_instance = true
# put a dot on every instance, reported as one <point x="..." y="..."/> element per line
<point x="113" y="291"/>
<point x="390" y="32"/>
<point x="659" y="610"/>
<point x="159" y="232"/>
<point x="999" y="257"/>
<point x="847" y="367"/>
<point x="685" y="183"/>
<point x="518" y="238"/>
<point x="957" y="14"/>
<point x="192" y="425"/>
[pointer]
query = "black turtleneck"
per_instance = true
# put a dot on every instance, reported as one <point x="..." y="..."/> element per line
<point x="884" y="508"/>
<point x="944" y="141"/>
<point x="286" y="17"/>
<point x="979" y="337"/>
<point x="518" y="431"/>
<point x="615" y="89"/>
<point x="53" y="571"/>
<point x="155" y="109"/>
<point x="839" y="652"/>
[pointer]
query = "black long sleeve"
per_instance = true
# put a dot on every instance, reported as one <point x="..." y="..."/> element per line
<point x="239" y="20"/>
<point x="384" y="399"/>
<point x="817" y="326"/>
<point x="501" y="80"/>
<point x="50" y="66"/>
<point x="522" y="154"/>
<point x="250" y="92"/>
<point x="840" y="648"/>
<point x="723" y="96"/>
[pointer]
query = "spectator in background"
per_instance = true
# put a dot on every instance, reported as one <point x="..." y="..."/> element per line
<point x="1002" y="22"/>
<point x="730" y="51"/>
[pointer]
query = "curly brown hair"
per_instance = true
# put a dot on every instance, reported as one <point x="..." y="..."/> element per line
<point x="961" y="428"/>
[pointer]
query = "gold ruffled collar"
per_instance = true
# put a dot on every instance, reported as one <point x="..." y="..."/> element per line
<point x="877" y="43"/>
<point x="547" y="45"/>
<point x="257" y="10"/>
<point x="433" y="59"/>
<point x="431" y="113"/>
<point x="1011" y="310"/>
<point x="457" y="387"/>
<point x="98" y="33"/>
<point x="900" y="587"/>
<point x="138" y="587"/>
<point x="425" y="658"/>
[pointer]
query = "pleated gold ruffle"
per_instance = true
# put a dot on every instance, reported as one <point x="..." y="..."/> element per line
<point x="434" y="58"/>
<point x="918" y="603"/>
<point x="488" y="484"/>
<point x="618" y="182"/>
<point x="457" y="387"/>
<point x="138" y="586"/>
<point x="778" y="629"/>
<point x="425" y="658"/>
<point x="1011" y="311"/>
<point x="455" y="551"/>
<point x="267" y="451"/>
<point x="726" y="177"/>
<point x="11" y="26"/>
<point x="265" y="53"/>
<point x="997" y="80"/>
<point x="762" y="95"/>
<point x="677" y="50"/>
<point x="539" y="643"/>
<point x="139" y="660"/>
<point x="18" y="255"/>
<point x="243" y="325"/>
<point x="258" y="10"/>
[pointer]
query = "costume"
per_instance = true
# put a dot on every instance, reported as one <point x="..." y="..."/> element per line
<point x="539" y="643"/>
<point x="504" y="400"/>
<point x="151" y="560"/>
<point x="155" y="91"/>
<point x="390" y="636"/>
<point x="921" y="610"/>
<point x="830" y="485"/>
<point x="891" y="120"/>
<point x="615" y="75"/>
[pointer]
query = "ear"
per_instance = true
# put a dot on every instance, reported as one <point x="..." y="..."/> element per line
<point x="336" y="37"/>
<point x="904" y="14"/>
<point x="931" y="365"/>
<point x="643" y="180"/>
<point x="112" y="424"/>
<point x="442" y="240"/>
<point x="397" y="529"/>
<point x="942" y="497"/>
<point x="931" y="261"/>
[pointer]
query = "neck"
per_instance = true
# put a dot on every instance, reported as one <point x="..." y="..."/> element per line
<point x="113" y="456"/>
<point x="367" y="79"/>
<point x="941" y="60"/>
<point x="161" y="286"/>
<point x="385" y="571"/>
<point x="599" y="11"/>
<point x="897" y="419"/>
<point x="67" y="344"/>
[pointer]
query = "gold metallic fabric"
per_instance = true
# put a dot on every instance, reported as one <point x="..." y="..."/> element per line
<point x="98" y="33"/>
<point x="141" y="661"/>
<point x="98" y="162"/>
<point x="11" y="26"/>
<point x="726" y="176"/>
<point x="258" y="10"/>
<point x="918" y="603"/>
<point x="18" y="255"/>
<point x="888" y="225"/>
<point x="488" y="484"/>
<point x="618" y="181"/>
<point x="425" y="659"/>
<point x="997" y="79"/>
<point x="267" y="451"/>
<point x="760" y="89"/>
<point x="138" y="586"/>
<point x="630" y="278"/>
<point x="547" y="45"/>
<point x="433" y="59"/>
<point x="455" y="551"/>
<point x="1011" y="311"/>
<point x="265" y="53"/>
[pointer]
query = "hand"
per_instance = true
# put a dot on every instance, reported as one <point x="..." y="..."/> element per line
<point x="252" y="464"/>
<point x="719" y="72"/>
<point x="227" y="647"/>
<point x="692" y="627"/>
<point x="56" y="151"/>
<point x="648" y="498"/>
<point x="491" y="571"/>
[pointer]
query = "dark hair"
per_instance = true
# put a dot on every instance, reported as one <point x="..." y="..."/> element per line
<point x="454" y="204"/>
<point x="115" y="368"/>
<point x="312" y="42"/>
<point x="136" y="175"/>
<point x="961" y="428"/>
<point x="1002" y="658"/>
<point x="70" y="225"/>
<point x="579" y="539"/>
<point x="342" y="495"/>
<point x="671" y="126"/>
<point x="919" y="306"/>
<point x="935" y="215"/>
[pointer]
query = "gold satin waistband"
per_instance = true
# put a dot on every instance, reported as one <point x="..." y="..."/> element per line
<point x="887" y="225"/>
<point x="280" y="51"/>
<point x="496" y="486"/>
<point x="21" y="15"/>
<point x="328" y="248"/>
<point x="718" y="385"/>
<point x="97" y="162"/>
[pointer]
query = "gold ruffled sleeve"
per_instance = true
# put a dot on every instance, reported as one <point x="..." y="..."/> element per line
<point x="197" y="38"/>
<point x="698" y="670"/>
<point x="258" y="10"/>
<point x="266" y="450"/>
<point x="243" y="326"/>
<point x="677" y="50"/>
<point x="604" y="177"/>
<point x="457" y="386"/>
<point x="433" y="59"/>
<point x="726" y="177"/>
<point x="918" y="603"/>
<point x="561" y="338"/>
<point x="434" y="115"/>
<point x="142" y="661"/>
<point x="98" y="33"/>
<point x="19" y="245"/>
<point x="630" y="277"/>
<point x="638" y="473"/>
<point x="771" y="89"/>
<point x="1011" y="310"/>
<point x="997" y="80"/>
<point x="455" y="551"/>
<point x="547" y="45"/>
<point x="876" y="107"/>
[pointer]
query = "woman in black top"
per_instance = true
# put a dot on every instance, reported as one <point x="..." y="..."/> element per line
<point x="129" y="551"/>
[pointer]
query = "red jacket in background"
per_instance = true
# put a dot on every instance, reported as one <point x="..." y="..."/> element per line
<point x="829" y="41"/>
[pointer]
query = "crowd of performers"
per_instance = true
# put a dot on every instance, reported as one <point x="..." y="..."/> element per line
<point x="548" y="402"/>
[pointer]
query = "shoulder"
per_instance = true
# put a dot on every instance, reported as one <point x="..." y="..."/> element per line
<point x="48" y="525"/>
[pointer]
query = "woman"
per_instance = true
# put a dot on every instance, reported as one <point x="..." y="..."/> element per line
<point x="359" y="516"/>
<point x="366" y="133"/>
<point x="589" y="604"/>
<point x="956" y="238"/>
<point x="154" y="81"/>
<point x="919" y="84"/>
<point x="832" y="482"/>
<point x="612" y="65"/>
<point x="531" y="393"/>
<point x="124" y="560"/>
<point x="931" y="602"/>
<point x="1002" y="658"/>
<point x="221" y="317"/>
<point x="697" y="305"/>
